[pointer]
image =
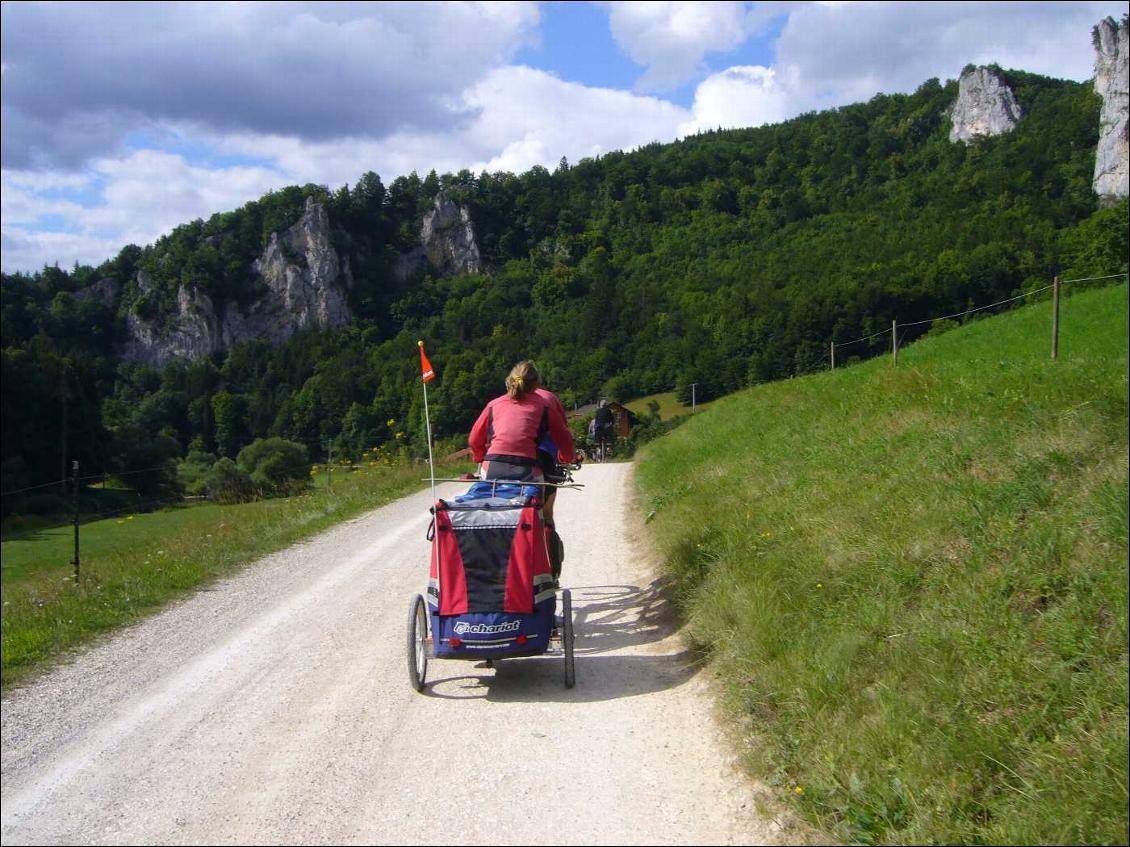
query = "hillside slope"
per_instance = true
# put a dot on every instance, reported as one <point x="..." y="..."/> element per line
<point x="722" y="260"/>
<point x="913" y="579"/>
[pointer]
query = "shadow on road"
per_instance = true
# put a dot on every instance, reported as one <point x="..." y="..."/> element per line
<point x="607" y="619"/>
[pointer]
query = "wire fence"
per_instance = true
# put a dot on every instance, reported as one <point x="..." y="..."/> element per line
<point x="893" y="331"/>
<point x="69" y="480"/>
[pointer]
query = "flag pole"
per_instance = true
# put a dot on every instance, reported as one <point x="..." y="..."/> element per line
<point x="428" y="375"/>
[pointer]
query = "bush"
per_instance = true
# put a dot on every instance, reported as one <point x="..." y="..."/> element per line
<point x="275" y="465"/>
<point x="193" y="471"/>
<point x="45" y="504"/>
<point x="228" y="484"/>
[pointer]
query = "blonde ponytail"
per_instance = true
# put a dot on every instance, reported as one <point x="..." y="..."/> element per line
<point x="522" y="380"/>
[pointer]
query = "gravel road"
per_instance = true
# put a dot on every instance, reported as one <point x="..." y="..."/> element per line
<point x="274" y="707"/>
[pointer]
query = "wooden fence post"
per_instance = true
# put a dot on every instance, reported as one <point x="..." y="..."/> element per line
<point x="832" y="347"/>
<point x="895" y="342"/>
<point x="74" y="479"/>
<point x="1055" y="319"/>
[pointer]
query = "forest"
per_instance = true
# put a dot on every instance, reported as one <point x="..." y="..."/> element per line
<point x="725" y="259"/>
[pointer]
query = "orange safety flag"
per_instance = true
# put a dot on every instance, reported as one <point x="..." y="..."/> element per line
<point x="425" y="365"/>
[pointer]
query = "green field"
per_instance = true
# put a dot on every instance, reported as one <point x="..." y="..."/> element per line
<point x="913" y="580"/>
<point x="133" y="565"/>
<point x="669" y="405"/>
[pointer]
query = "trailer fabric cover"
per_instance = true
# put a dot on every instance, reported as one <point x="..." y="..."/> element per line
<point x="488" y="559"/>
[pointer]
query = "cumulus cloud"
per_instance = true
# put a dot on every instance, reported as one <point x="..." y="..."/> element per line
<point x="521" y="117"/>
<point x="671" y="39"/>
<point x="737" y="97"/>
<point x="839" y="53"/>
<point x="79" y="76"/>
<point x="832" y="54"/>
<point x="30" y="250"/>
<point x="137" y="198"/>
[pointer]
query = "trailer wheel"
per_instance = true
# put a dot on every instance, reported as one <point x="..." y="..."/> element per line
<point x="567" y="637"/>
<point x="417" y="642"/>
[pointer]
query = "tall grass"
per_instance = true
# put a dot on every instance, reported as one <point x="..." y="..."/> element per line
<point x="133" y="565"/>
<point x="913" y="580"/>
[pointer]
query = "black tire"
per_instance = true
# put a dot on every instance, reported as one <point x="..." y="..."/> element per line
<point x="567" y="637"/>
<point x="417" y="642"/>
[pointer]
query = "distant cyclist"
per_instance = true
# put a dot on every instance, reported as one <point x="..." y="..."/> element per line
<point x="604" y="429"/>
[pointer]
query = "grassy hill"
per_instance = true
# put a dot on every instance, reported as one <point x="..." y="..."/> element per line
<point x="913" y="580"/>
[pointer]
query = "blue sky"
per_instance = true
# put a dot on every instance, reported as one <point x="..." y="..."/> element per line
<point x="163" y="113"/>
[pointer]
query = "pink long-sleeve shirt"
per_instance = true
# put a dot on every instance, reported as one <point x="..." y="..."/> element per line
<point x="509" y="427"/>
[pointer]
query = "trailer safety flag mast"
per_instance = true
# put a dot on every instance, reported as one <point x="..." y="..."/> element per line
<point x="428" y="375"/>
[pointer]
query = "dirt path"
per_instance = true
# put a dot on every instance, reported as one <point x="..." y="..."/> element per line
<point x="275" y="707"/>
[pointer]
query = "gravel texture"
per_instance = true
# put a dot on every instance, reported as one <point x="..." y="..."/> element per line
<point x="274" y="707"/>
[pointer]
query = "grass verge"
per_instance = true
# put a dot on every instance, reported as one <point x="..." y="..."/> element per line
<point x="134" y="565"/>
<point x="913" y="580"/>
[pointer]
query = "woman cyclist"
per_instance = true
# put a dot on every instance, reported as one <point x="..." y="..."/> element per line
<point x="505" y="437"/>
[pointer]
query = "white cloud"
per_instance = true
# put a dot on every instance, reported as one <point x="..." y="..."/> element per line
<point x="531" y="113"/>
<point x="836" y="54"/>
<point x="671" y="39"/>
<point x="521" y="117"/>
<point x="312" y="70"/>
<point x="28" y="250"/>
<point x="738" y="97"/>
<point x="139" y="198"/>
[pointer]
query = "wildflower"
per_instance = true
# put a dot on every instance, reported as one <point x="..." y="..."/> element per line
<point x="130" y="518"/>
<point x="799" y="790"/>
<point x="819" y="585"/>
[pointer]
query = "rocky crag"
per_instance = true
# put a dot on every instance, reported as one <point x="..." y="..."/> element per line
<point x="985" y="106"/>
<point x="305" y="288"/>
<point x="1111" y="180"/>
<point x="447" y="243"/>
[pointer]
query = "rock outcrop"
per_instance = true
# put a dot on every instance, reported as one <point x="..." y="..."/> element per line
<point x="1111" y="168"/>
<point x="985" y="106"/>
<point x="304" y="289"/>
<point x="195" y="330"/>
<point x="447" y="239"/>
<point x="105" y="291"/>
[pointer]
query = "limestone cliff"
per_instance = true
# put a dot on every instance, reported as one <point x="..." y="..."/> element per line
<point x="1111" y="172"/>
<point x="985" y="106"/>
<point x="447" y="239"/>
<point x="303" y="285"/>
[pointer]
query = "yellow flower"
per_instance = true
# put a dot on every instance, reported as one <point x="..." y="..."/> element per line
<point x="130" y="518"/>
<point x="819" y="585"/>
<point x="799" y="790"/>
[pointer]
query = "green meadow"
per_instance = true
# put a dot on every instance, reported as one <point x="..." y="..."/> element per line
<point x="134" y="564"/>
<point x="912" y="580"/>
